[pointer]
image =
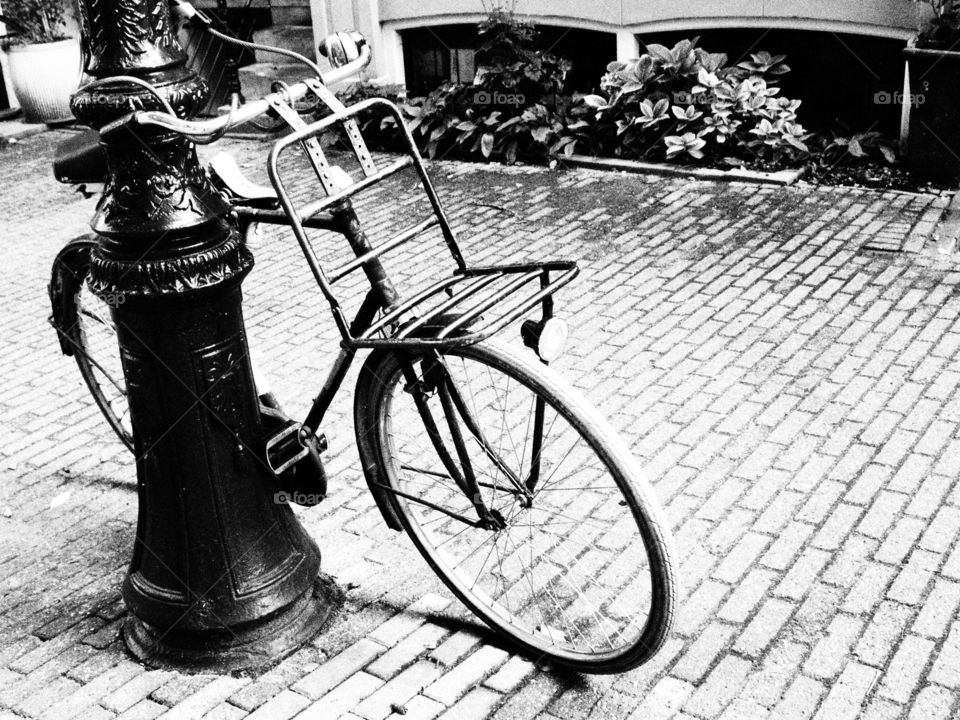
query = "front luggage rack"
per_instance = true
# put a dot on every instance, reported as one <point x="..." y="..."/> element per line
<point x="460" y="320"/>
<point x="479" y="301"/>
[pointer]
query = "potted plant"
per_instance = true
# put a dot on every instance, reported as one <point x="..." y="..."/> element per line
<point x="44" y="63"/>
<point x="933" y="60"/>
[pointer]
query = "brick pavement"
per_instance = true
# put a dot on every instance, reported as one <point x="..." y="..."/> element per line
<point x="783" y="360"/>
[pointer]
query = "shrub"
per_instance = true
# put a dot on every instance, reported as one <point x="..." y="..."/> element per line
<point x="942" y="29"/>
<point x="33" y="21"/>
<point x="513" y="109"/>
<point x="684" y="103"/>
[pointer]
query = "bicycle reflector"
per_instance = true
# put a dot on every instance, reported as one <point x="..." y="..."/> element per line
<point x="341" y="47"/>
<point x="547" y="337"/>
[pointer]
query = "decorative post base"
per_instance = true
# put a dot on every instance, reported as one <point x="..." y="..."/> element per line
<point x="242" y="647"/>
<point x="223" y="576"/>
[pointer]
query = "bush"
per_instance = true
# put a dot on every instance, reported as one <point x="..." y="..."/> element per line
<point x="684" y="103"/>
<point x="680" y="104"/>
<point x="513" y="109"/>
<point x="34" y="21"/>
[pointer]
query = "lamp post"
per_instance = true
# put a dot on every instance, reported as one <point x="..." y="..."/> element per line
<point x="222" y="577"/>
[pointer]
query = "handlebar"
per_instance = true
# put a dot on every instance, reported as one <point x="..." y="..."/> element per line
<point x="241" y="115"/>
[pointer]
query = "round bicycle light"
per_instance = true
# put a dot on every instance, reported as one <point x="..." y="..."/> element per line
<point x="546" y="337"/>
<point x="341" y="48"/>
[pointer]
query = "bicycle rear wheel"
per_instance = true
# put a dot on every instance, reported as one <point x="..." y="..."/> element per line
<point x="575" y="570"/>
<point x="87" y="332"/>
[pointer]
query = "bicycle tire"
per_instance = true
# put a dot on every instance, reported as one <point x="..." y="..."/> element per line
<point x="645" y="561"/>
<point x="81" y="319"/>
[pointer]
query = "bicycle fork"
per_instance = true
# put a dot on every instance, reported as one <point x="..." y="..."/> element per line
<point x="436" y="380"/>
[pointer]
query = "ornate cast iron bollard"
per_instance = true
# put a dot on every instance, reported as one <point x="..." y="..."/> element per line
<point x="222" y="577"/>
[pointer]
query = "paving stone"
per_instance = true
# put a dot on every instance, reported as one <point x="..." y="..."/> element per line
<point x="286" y="704"/>
<point x="701" y="653"/>
<point x="338" y="668"/>
<point x="938" y="609"/>
<point x="510" y="675"/>
<point x="800" y="701"/>
<point x="455" y="647"/>
<point x="946" y="667"/>
<point x="846" y="697"/>
<point x="468" y="672"/>
<point x="664" y="700"/>
<point x="829" y="655"/>
<point x="475" y="705"/>
<point x="206" y="698"/>
<point x="417" y="678"/>
<point x="346" y="696"/>
<point x="932" y="703"/>
<point x="720" y="687"/>
<point x="763" y="628"/>
<point x="424" y="638"/>
<point x="906" y="668"/>
<point x="143" y="710"/>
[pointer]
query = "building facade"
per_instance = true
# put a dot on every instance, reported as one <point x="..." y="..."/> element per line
<point x="384" y="22"/>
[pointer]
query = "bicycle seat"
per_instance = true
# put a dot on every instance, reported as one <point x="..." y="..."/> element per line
<point x="80" y="159"/>
<point x="227" y="175"/>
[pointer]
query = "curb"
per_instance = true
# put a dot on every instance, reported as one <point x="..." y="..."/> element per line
<point x="14" y="130"/>
<point x="781" y="177"/>
<point x="950" y="227"/>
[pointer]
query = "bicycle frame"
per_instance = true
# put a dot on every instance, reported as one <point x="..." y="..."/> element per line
<point x="453" y="405"/>
<point x="446" y="325"/>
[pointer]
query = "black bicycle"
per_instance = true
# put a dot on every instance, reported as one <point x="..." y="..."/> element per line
<point x="519" y="494"/>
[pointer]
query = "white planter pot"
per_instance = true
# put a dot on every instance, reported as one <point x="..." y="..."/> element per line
<point x="43" y="77"/>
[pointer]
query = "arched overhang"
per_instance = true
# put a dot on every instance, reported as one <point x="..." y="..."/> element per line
<point x="895" y="19"/>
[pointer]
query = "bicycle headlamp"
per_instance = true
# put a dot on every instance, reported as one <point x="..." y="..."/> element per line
<point x="341" y="47"/>
<point x="547" y="337"/>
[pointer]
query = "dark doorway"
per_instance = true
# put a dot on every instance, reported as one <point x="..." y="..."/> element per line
<point x="437" y="54"/>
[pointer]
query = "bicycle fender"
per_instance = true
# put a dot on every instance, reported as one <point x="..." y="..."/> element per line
<point x="366" y="443"/>
<point x="69" y="269"/>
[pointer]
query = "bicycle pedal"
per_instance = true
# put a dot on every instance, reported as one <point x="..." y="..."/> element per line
<point x="286" y="449"/>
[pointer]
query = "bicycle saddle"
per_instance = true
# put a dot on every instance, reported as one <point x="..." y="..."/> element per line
<point x="227" y="175"/>
<point x="80" y="159"/>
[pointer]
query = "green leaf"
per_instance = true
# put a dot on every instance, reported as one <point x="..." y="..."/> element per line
<point x="486" y="144"/>
<point x="511" y="152"/>
<point x="540" y="134"/>
<point x="661" y="53"/>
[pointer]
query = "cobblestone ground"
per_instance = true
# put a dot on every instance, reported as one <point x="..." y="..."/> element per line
<point x="783" y="360"/>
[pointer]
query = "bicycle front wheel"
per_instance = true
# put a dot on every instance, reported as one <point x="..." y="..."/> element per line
<point x="571" y="564"/>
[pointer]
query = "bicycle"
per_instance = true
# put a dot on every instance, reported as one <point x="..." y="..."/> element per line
<point x="518" y="494"/>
